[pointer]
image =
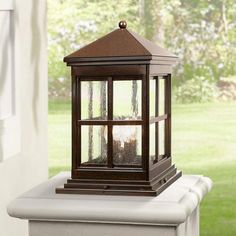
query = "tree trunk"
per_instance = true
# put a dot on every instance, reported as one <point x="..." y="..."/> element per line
<point x="134" y="113"/>
<point x="103" y="117"/>
<point x="134" y="99"/>
<point x="90" y="115"/>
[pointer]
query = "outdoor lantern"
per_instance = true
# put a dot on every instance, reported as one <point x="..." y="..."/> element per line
<point x="121" y="117"/>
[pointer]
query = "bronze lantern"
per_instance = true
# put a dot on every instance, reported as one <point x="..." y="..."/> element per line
<point x="121" y="117"/>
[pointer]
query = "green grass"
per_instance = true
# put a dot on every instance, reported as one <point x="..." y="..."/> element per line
<point x="59" y="137"/>
<point x="204" y="142"/>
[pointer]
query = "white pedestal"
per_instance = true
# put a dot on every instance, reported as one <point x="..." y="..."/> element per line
<point x="174" y="212"/>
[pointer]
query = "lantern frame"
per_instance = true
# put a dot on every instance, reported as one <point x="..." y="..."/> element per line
<point x="152" y="175"/>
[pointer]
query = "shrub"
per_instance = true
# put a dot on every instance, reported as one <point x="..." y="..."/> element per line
<point x="227" y="89"/>
<point x="197" y="89"/>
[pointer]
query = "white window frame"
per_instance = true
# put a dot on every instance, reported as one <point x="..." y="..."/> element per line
<point x="10" y="133"/>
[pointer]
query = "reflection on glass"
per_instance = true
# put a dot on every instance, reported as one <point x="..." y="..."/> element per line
<point x="161" y="138"/>
<point x="127" y="100"/>
<point x="161" y="98"/>
<point x="152" y="142"/>
<point x="127" y="145"/>
<point x="152" y="92"/>
<point x="94" y="100"/>
<point x="94" y="144"/>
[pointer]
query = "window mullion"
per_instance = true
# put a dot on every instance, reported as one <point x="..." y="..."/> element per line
<point x="168" y="111"/>
<point x="157" y="124"/>
<point x="110" y="117"/>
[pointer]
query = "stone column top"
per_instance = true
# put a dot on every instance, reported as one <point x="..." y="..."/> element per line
<point x="172" y="206"/>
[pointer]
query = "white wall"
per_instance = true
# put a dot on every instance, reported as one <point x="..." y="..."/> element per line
<point x="29" y="166"/>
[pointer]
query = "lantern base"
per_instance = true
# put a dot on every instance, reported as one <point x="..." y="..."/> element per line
<point x="119" y="187"/>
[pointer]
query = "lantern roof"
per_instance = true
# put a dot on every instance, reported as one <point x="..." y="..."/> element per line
<point x="120" y="45"/>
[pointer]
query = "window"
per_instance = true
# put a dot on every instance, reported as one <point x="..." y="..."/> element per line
<point x="159" y="132"/>
<point x="9" y="115"/>
<point x="110" y="127"/>
<point x="6" y="65"/>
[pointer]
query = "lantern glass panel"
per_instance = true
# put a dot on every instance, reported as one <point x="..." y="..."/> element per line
<point x="94" y="100"/>
<point x="152" y="97"/>
<point x="161" y="138"/>
<point x="161" y="97"/>
<point x="152" y="142"/>
<point x="94" y="144"/>
<point x="127" y="145"/>
<point x="127" y="100"/>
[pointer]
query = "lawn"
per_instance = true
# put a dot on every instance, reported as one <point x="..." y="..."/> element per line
<point x="204" y="142"/>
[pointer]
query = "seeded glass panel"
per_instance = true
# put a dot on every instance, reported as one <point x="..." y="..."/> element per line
<point x="94" y="100"/>
<point x="161" y="98"/>
<point x="152" y="92"/>
<point x="127" y="145"/>
<point x="152" y="142"/>
<point x="161" y="136"/>
<point x="127" y="100"/>
<point x="93" y="144"/>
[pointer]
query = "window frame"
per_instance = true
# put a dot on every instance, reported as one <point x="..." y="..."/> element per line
<point x="10" y="130"/>
<point x="166" y="117"/>
<point x="109" y="122"/>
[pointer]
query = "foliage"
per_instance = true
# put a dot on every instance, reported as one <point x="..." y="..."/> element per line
<point x="201" y="32"/>
<point x="73" y="24"/>
<point x="227" y="89"/>
<point x="198" y="89"/>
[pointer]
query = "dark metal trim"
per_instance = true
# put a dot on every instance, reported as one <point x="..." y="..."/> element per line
<point x="110" y="118"/>
<point x="110" y="122"/>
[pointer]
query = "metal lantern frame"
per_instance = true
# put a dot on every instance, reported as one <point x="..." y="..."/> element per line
<point x="123" y="56"/>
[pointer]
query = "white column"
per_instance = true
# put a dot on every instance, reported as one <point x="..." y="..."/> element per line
<point x="174" y="212"/>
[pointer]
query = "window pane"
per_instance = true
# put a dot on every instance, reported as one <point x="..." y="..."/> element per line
<point x="152" y="97"/>
<point x="152" y="142"/>
<point x="127" y="100"/>
<point x="6" y="66"/>
<point x="94" y="100"/>
<point x="161" y="136"/>
<point x="161" y="99"/>
<point x="94" y="144"/>
<point x="127" y="145"/>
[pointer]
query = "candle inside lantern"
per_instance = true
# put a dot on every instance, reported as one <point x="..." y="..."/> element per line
<point x="124" y="144"/>
<point x="124" y="134"/>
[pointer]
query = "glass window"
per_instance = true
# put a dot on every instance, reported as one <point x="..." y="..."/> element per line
<point x="152" y="142"/>
<point x="127" y="100"/>
<point x="93" y="144"/>
<point x="7" y="92"/>
<point x="161" y="138"/>
<point x="127" y="145"/>
<point x="94" y="100"/>
<point x="152" y="92"/>
<point x="161" y="97"/>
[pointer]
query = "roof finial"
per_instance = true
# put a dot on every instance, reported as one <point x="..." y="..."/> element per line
<point x="122" y="24"/>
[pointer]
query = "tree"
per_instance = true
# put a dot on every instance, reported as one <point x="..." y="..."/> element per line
<point x="201" y="32"/>
<point x="73" y="24"/>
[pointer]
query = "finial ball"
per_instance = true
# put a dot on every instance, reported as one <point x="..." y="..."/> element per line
<point x="122" y="24"/>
